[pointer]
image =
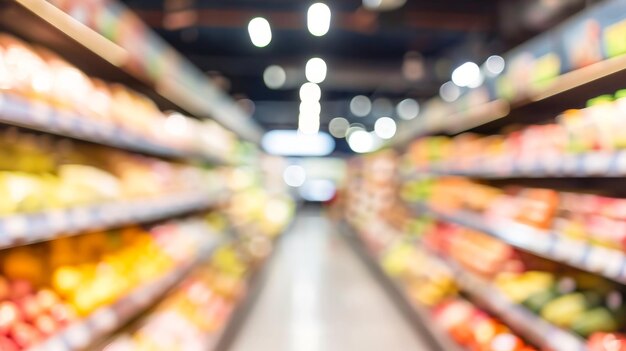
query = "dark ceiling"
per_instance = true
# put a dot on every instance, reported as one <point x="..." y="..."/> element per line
<point x="364" y="50"/>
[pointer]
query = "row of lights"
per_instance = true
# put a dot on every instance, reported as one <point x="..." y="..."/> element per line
<point x="470" y="75"/>
<point x="358" y="138"/>
<point x="318" y="23"/>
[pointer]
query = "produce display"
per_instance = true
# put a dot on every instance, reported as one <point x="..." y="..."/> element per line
<point x="597" y="128"/>
<point x="40" y="173"/>
<point x="41" y="77"/>
<point x="595" y="219"/>
<point x="193" y="316"/>
<point x="434" y="261"/>
<point x="476" y="330"/>
<point x="569" y="299"/>
<point x="46" y="287"/>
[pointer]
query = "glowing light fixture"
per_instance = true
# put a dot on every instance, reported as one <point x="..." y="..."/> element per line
<point x="310" y="92"/>
<point x="315" y="70"/>
<point x="274" y="77"/>
<point x="260" y="32"/>
<point x="318" y="19"/>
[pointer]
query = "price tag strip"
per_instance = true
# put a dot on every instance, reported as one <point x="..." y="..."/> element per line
<point x="82" y="334"/>
<point x="22" y="229"/>
<point x="40" y="116"/>
<point x="532" y="327"/>
<point x="610" y="263"/>
<point x="592" y="164"/>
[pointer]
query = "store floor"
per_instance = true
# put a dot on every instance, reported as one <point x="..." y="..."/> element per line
<point x="318" y="296"/>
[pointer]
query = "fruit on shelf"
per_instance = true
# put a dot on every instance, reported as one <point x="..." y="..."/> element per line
<point x="25" y="335"/>
<point x="9" y="315"/>
<point x="472" y="328"/>
<point x="38" y="173"/>
<point x="190" y="318"/>
<point x="599" y="220"/>
<point x="40" y="76"/>
<point x="7" y="344"/>
<point x="607" y="342"/>
<point x="599" y="127"/>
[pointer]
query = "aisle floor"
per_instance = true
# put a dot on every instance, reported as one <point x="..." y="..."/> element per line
<point x="318" y="296"/>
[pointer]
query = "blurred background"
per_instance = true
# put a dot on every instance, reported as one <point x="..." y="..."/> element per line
<point x="299" y="175"/>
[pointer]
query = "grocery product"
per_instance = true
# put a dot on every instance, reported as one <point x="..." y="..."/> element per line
<point x="596" y="128"/>
<point x="38" y="173"/>
<point x="35" y="75"/>
<point x="476" y="330"/>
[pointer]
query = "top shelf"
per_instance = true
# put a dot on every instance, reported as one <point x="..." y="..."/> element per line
<point x="558" y="70"/>
<point x="106" y="40"/>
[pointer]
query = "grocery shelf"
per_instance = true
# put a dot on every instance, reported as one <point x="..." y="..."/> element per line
<point x="591" y="164"/>
<point x="187" y="89"/>
<point x="22" y="229"/>
<point x="523" y="321"/>
<point x="573" y="82"/>
<point x="84" y="333"/>
<point x="417" y="314"/>
<point x="19" y="112"/>
<point x="609" y="263"/>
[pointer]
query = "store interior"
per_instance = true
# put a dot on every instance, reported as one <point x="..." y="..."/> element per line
<point x="286" y="175"/>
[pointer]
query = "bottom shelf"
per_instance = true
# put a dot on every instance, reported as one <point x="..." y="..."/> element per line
<point x="522" y="321"/>
<point x="201" y="314"/>
<point x="417" y="314"/>
<point x="87" y="332"/>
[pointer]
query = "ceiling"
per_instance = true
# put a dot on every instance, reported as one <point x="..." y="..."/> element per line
<point x="364" y="50"/>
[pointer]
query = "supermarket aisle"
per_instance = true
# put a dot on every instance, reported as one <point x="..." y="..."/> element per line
<point x="319" y="297"/>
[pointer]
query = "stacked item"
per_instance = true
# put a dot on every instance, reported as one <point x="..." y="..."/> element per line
<point x="595" y="219"/>
<point x="580" y="302"/>
<point x="33" y="74"/>
<point x="41" y="173"/>
<point x="47" y="287"/>
<point x="597" y="128"/>
<point x="194" y="315"/>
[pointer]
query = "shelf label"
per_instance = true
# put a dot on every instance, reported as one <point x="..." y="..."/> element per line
<point x="598" y="163"/>
<point x="569" y="164"/>
<point x="56" y="221"/>
<point x="82" y="218"/>
<point x="620" y="163"/>
<point x="52" y="344"/>
<point x="40" y="113"/>
<point x="16" y="226"/>
<point x="104" y="320"/>
<point x="572" y="251"/>
<point x="77" y="335"/>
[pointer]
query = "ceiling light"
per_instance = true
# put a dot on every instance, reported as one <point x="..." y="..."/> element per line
<point x="408" y="109"/>
<point x="309" y="123"/>
<point x="260" y="32"/>
<point x="360" y="106"/>
<point x="311" y="107"/>
<point x="494" y="65"/>
<point x="467" y="75"/>
<point x="274" y="77"/>
<point x="318" y="19"/>
<point x="294" y="143"/>
<point x="338" y="127"/>
<point x="385" y="128"/>
<point x="354" y="127"/>
<point x="361" y="141"/>
<point x="383" y="5"/>
<point x="315" y="70"/>
<point x="310" y="92"/>
<point x="449" y="92"/>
